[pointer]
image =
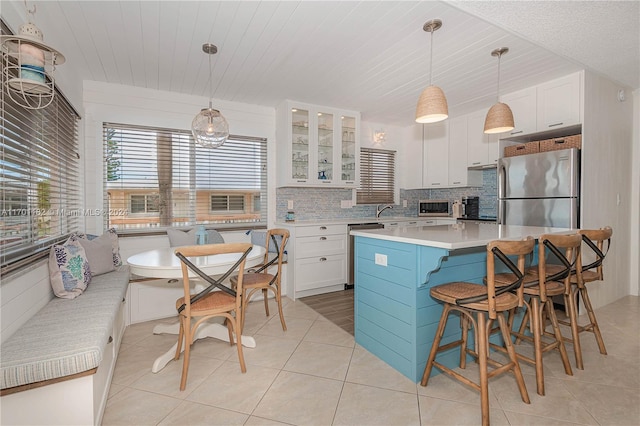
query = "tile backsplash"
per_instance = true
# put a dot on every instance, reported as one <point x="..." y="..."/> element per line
<point x="324" y="203"/>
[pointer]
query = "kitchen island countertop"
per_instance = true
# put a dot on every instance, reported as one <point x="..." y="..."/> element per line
<point x="459" y="235"/>
<point x="358" y="220"/>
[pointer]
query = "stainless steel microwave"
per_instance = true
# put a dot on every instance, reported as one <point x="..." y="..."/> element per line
<point x="433" y="208"/>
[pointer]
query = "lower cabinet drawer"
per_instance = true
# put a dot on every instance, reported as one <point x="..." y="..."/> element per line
<point x="322" y="245"/>
<point x="322" y="271"/>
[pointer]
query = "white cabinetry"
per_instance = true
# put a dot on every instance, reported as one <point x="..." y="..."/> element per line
<point x="317" y="146"/>
<point x="551" y="105"/>
<point x="523" y="106"/>
<point x="558" y="103"/>
<point x="445" y="155"/>
<point x="458" y="152"/>
<point x="319" y="255"/>
<point x="482" y="149"/>
<point x="435" y="167"/>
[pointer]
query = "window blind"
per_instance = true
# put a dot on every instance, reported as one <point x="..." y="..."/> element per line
<point x="156" y="178"/>
<point x="377" y="176"/>
<point x="39" y="177"/>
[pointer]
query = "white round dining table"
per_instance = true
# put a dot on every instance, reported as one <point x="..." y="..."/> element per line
<point x="163" y="263"/>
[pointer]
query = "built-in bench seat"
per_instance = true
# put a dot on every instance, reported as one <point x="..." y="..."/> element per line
<point x="68" y="346"/>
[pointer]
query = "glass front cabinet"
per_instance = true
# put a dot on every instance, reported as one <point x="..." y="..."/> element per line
<point x="317" y="146"/>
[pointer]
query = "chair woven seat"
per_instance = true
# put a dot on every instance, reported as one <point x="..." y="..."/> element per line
<point x="554" y="288"/>
<point x="254" y="280"/>
<point x="506" y="279"/>
<point x="451" y="292"/>
<point x="550" y="269"/>
<point x="587" y="277"/>
<point x="217" y="300"/>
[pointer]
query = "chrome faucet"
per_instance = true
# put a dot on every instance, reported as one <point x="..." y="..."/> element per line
<point x="380" y="210"/>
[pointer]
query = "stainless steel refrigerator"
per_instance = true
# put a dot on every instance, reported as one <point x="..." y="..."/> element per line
<point x="540" y="189"/>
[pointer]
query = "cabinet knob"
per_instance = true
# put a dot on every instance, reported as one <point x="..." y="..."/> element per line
<point x="456" y="183"/>
<point x="515" y="133"/>
<point x="556" y="124"/>
<point x="323" y="228"/>
<point x="110" y="339"/>
<point x="475" y="163"/>
<point x="323" y="259"/>
<point x="323" y="238"/>
<point x="435" y="183"/>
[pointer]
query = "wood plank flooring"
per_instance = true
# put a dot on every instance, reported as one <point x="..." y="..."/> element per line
<point x="337" y="307"/>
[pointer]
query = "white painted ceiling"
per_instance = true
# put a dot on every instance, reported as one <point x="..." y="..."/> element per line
<point x="362" y="55"/>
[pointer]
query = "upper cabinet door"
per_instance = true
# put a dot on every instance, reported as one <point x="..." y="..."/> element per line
<point x="523" y="106"/>
<point x="457" y="175"/>
<point x="436" y="155"/>
<point x="477" y="141"/>
<point x="325" y="147"/>
<point x="299" y="145"/>
<point x="348" y="156"/>
<point x="559" y="103"/>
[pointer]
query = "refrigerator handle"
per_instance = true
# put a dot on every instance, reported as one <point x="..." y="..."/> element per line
<point x="502" y="205"/>
<point x="502" y="181"/>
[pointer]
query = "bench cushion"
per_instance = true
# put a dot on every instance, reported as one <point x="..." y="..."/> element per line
<point x="65" y="337"/>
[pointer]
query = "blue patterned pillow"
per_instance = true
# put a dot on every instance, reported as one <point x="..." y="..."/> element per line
<point x="69" y="270"/>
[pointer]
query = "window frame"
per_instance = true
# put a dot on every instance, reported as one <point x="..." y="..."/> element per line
<point x="240" y="166"/>
<point x="228" y="210"/>
<point x="377" y="167"/>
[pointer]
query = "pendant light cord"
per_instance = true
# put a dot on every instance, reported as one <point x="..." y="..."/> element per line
<point x="431" y="58"/>
<point x="498" y="88"/>
<point x="210" y="85"/>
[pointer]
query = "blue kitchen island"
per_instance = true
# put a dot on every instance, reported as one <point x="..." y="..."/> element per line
<point x="395" y="317"/>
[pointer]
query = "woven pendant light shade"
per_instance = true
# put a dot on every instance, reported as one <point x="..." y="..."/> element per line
<point x="499" y="119"/>
<point x="432" y="106"/>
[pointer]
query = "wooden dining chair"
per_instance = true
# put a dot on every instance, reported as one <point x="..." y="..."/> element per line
<point x="539" y="288"/>
<point x="193" y="310"/>
<point x="260" y="279"/>
<point x="594" y="239"/>
<point x="478" y="305"/>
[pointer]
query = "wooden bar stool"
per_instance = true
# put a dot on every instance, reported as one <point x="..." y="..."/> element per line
<point x="594" y="239"/>
<point x="478" y="305"/>
<point x="540" y="288"/>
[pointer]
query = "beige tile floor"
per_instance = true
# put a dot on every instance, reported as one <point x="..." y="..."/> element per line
<point x="315" y="374"/>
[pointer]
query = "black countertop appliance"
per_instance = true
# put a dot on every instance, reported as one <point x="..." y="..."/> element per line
<point x="470" y="208"/>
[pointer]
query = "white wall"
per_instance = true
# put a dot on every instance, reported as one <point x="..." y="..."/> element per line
<point x="105" y="102"/>
<point x="607" y="180"/>
<point x="634" y="249"/>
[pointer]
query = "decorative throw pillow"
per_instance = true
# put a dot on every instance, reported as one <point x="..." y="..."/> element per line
<point x="115" y="246"/>
<point x="112" y="236"/>
<point x="69" y="269"/>
<point x="259" y="238"/>
<point x="99" y="251"/>
<point x="179" y="238"/>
